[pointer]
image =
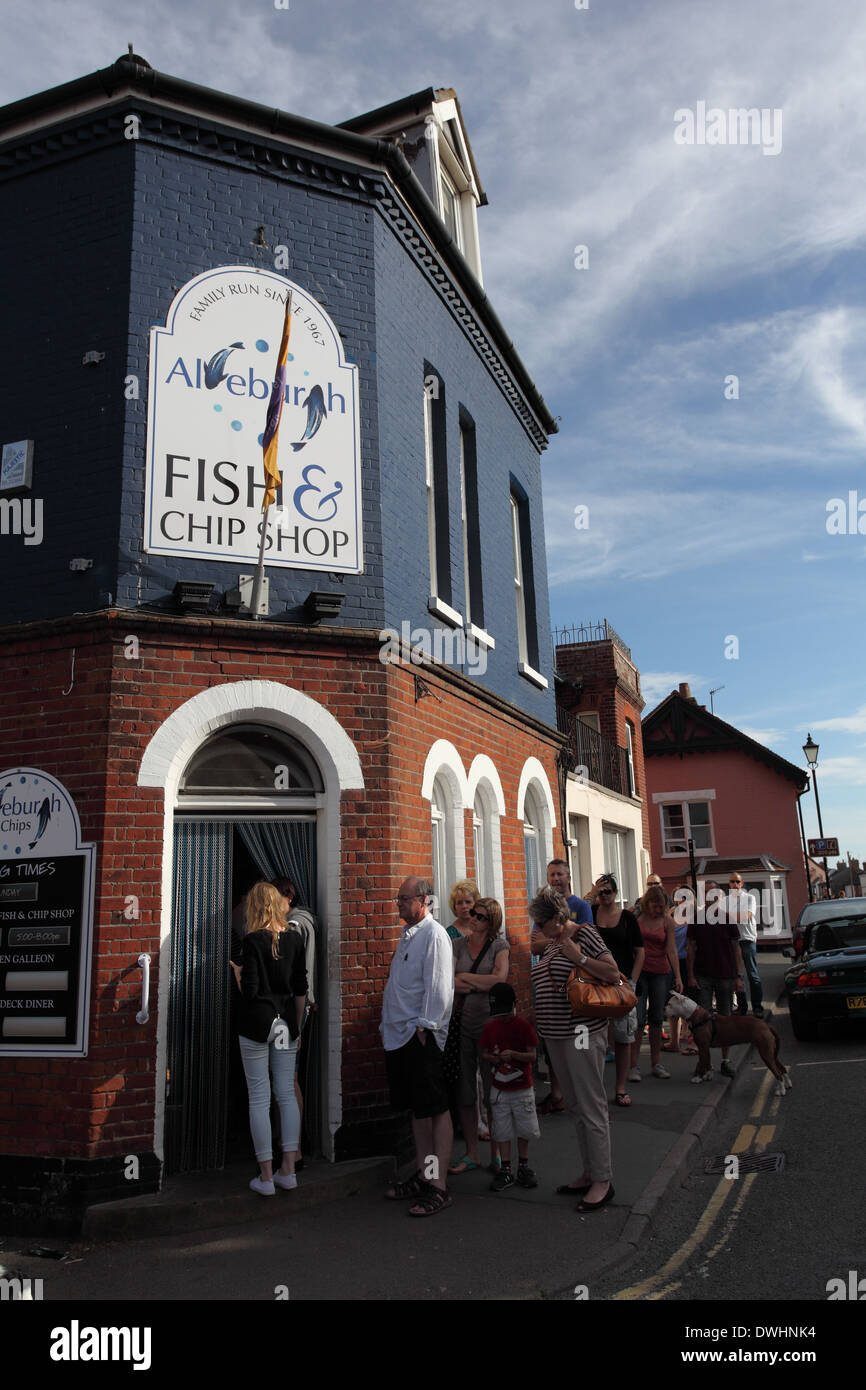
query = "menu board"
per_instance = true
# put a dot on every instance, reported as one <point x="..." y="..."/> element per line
<point x="46" y="918"/>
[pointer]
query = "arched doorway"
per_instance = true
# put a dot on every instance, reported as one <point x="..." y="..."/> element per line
<point x="246" y="809"/>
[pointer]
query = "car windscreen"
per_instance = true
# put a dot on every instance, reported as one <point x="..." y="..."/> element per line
<point x="831" y="911"/>
<point x="835" y="935"/>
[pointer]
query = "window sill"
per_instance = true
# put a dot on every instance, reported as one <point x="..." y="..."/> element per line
<point x="531" y="675"/>
<point x="480" y="637"/>
<point x="442" y="610"/>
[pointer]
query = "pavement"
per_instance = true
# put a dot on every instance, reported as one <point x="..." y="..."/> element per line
<point x="513" y="1244"/>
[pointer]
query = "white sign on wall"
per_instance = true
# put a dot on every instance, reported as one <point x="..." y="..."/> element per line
<point x="211" y="371"/>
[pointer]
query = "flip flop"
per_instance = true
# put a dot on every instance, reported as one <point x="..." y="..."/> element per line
<point x="621" y="1099"/>
<point x="465" y="1165"/>
<point x="549" y="1107"/>
<point x="690" y="1051"/>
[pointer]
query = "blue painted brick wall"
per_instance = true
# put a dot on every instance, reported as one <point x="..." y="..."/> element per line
<point x="94" y="250"/>
<point x="65" y="232"/>
<point x="414" y="326"/>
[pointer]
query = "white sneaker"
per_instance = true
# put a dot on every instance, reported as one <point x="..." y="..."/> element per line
<point x="264" y="1189"/>
<point x="661" y="1072"/>
<point x="634" y="1075"/>
<point x="287" y="1181"/>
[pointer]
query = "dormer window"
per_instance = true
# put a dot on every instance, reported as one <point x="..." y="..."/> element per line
<point x="429" y="129"/>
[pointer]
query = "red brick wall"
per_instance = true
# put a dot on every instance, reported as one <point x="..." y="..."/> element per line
<point x="93" y="739"/>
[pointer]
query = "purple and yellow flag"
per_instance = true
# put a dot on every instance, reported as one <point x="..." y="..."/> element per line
<point x="270" y="439"/>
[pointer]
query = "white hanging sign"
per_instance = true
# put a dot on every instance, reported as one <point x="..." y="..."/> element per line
<point x="211" y="371"/>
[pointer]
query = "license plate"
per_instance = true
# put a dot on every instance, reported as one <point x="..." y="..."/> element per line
<point x="857" y="1001"/>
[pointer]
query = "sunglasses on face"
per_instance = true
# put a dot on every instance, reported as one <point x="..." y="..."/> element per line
<point x="605" y="891"/>
<point x="479" y="915"/>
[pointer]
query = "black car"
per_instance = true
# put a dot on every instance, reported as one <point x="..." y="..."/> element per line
<point x="827" y="982"/>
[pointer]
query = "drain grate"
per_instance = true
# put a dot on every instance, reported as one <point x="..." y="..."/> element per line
<point x="747" y="1163"/>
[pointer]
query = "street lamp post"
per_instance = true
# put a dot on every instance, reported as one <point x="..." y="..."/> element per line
<point x="811" y="751"/>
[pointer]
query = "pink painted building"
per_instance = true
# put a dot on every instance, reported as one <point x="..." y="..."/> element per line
<point x="735" y="799"/>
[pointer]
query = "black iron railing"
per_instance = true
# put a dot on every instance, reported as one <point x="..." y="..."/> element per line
<point x="596" y="758"/>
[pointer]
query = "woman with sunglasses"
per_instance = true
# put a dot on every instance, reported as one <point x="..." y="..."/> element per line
<point x="480" y="961"/>
<point x="621" y="934"/>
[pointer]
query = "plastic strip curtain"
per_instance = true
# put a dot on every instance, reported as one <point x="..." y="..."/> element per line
<point x="198" y="1026"/>
<point x="283" y="848"/>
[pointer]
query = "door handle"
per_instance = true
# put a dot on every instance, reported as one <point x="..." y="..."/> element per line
<point x="144" y="1012"/>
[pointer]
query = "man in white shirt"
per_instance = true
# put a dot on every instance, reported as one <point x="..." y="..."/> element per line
<point x="743" y="911"/>
<point x="416" y="1008"/>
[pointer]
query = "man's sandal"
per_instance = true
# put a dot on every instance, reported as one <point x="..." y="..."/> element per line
<point x="430" y="1202"/>
<point x="622" y="1099"/>
<point x="409" y="1187"/>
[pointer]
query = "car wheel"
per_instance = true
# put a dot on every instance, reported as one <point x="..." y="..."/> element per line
<point x="805" y="1030"/>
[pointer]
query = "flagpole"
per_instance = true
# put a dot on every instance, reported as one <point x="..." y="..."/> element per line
<point x="260" y="568"/>
<point x="270" y="441"/>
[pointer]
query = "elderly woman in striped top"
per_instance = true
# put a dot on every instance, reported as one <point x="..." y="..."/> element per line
<point x="576" y="1045"/>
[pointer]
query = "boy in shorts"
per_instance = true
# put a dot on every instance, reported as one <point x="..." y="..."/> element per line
<point x="509" y="1043"/>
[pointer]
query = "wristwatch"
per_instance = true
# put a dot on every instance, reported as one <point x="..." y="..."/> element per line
<point x="583" y="960"/>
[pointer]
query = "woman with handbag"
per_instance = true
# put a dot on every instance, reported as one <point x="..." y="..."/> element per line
<point x="576" y="1043"/>
<point x="480" y="962"/>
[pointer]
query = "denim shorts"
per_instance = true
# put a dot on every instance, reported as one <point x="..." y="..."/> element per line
<point x="653" y="991"/>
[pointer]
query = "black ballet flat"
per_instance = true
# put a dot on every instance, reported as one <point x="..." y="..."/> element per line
<point x="596" y="1206"/>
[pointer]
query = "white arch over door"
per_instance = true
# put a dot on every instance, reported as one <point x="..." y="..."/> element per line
<point x="165" y="757"/>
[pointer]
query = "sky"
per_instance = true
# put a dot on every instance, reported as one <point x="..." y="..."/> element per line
<point x="704" y="351"/>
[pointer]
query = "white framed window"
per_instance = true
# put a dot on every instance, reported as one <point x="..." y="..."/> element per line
<point x="682" y="821"/>
<point x="452" y="213"/>
<point x="444" y="858"/>
<point x="534" y="843"/>
<point x="519" y="587"/>
<point x="464" y="521"/>
<point x="629" y="748"/>
<point x="430" y="480"/>
<point x="619" y="859"/>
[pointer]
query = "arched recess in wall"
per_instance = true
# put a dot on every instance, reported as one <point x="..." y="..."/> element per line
<point x="445" y="786"/>
<point x="169" y="752"/>
<point x="535" y="808"/>
<point x="487" y="800"/>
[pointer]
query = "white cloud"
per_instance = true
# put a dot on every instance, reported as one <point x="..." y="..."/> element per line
<point x="846" y="770"/>
<point x="846" y="724"/>
<point x="657" y="685"/>
<point x="767" y="737"/>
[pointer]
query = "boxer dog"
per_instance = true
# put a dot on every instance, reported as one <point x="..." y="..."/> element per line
<point x="712" y="1030"/>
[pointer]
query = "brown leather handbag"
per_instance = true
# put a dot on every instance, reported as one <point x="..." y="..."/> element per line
<point x="590" y="998"/>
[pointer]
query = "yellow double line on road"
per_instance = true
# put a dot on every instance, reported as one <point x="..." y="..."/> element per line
<point x="758" y="1136"/>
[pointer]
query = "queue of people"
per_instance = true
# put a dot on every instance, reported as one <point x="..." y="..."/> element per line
<point x="432" y="1017"/>
<point x="451" y="1034"/>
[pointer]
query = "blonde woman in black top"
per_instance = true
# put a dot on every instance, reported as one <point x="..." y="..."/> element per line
<point x="274" y="991"/>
